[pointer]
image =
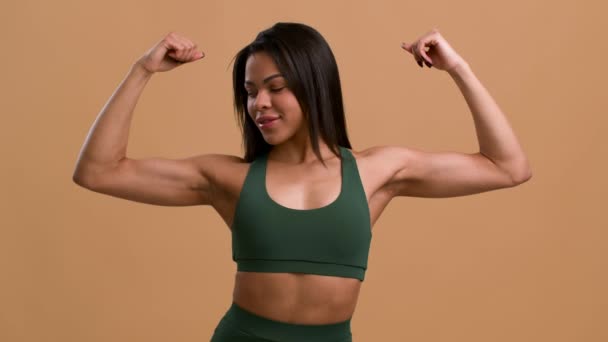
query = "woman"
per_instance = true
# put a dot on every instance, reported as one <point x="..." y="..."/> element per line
<point x="301" y="204"/>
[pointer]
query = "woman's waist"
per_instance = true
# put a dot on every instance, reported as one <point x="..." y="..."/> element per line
<point x="297" y="297"/>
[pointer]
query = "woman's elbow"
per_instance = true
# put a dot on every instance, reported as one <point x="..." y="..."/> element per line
<point x="522" y="176"/>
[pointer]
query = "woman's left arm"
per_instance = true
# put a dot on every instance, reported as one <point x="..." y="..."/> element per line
<point x="496" y="138"/>
<point x="500" y="161"/>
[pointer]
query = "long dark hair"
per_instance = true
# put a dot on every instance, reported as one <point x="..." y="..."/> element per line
<point x="306" y="61"/>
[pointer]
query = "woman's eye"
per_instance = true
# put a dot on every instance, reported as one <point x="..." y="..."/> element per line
<point x="273" y="90"/>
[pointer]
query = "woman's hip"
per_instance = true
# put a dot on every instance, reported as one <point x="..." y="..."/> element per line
<point x="239" y="324"/>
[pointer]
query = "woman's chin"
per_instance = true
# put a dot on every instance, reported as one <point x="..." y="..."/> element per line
<point x="272" y="141"/>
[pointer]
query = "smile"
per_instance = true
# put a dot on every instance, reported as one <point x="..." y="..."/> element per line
<point x="268" y="123"/>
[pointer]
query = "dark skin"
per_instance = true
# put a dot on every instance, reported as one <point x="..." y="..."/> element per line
<point x="295" y="177"/>
<point x="296" y="297"/>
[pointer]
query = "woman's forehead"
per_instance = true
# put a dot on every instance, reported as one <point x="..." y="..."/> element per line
<point x="260" y="67"/>
<point x="260" y="62"/>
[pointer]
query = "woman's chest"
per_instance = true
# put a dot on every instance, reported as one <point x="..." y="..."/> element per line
<point x="297" y="188"/>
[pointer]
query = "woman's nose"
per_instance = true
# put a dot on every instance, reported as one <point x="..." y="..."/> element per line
<point x="262" y="100"/>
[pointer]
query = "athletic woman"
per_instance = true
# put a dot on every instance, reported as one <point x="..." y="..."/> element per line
<point x="300" y="204"/>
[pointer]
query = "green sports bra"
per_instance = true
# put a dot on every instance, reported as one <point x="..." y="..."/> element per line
<point x="331" y="240"/>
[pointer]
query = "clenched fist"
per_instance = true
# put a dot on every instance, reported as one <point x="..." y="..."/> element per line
<point x="170" y="52"/>
<point x="433" y="50"/>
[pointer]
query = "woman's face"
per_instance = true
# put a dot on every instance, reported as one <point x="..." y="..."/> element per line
<point x="268" y="95"/>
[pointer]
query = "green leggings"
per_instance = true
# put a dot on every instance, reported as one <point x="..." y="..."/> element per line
<point x="239" y="325"/>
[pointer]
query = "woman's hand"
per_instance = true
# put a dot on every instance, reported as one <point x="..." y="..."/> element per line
<point x="434" y="51"/>
<point x="170" y="52"/>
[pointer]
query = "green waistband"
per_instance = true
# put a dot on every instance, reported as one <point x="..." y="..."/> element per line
<point x="301" y="266"/>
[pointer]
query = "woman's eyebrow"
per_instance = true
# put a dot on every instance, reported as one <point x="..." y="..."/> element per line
<point x="266" y="79"/>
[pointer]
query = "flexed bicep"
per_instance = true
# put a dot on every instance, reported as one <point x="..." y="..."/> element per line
<point x="419" y="173"/>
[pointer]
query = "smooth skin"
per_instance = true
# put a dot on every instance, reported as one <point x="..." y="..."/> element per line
<point x="295" y="178"/>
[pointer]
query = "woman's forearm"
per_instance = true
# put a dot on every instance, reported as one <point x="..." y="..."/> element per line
<point x="497" y="141"/>
<point x="106" y="142"/>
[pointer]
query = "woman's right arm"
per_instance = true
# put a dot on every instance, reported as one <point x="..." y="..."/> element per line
<point x="103" y="166"/>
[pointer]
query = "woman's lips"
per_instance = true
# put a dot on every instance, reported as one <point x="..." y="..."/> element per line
<point x="268" y="124"/>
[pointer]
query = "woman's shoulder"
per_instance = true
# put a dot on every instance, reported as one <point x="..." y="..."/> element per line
<point x="377" y="153"/>
<point x="381" y="153"/>
<point x="378" y="163"/>
<point x="218" y="166"/>
<point x="225" y="171"/>
<point x="220" y="160"/>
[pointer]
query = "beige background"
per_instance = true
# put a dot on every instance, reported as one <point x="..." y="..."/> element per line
<point x="520" y="264"/>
